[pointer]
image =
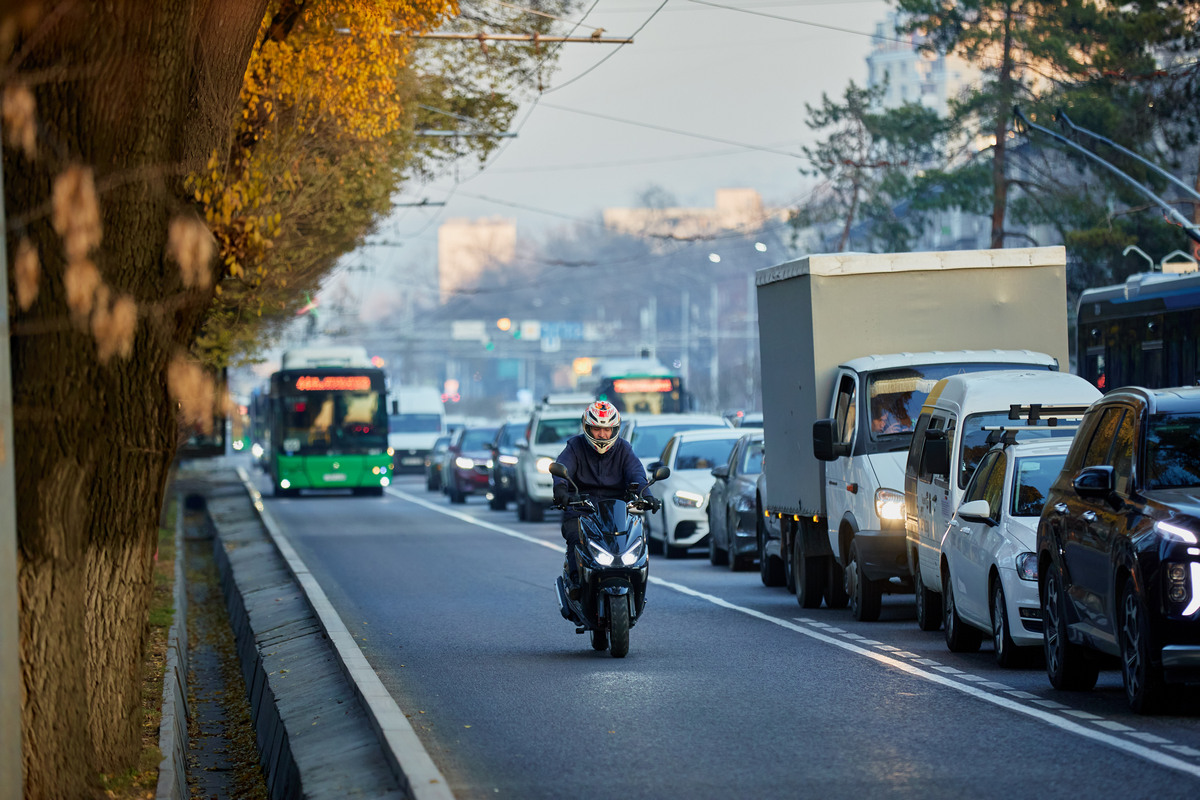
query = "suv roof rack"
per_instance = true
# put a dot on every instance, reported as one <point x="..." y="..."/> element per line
<point x="1036" y="412"/>
<point x="568" y="399"/>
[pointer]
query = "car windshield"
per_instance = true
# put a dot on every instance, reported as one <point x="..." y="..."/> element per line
<point x="1031" y="483"/>
<point x="975" y="443"/>
<point x="704" y="453"/>
<point x="1173" y="451"/>
<point x="477" y="439"/>
<point x="554" y="431"/>
<point x="649" y="440"/>
<point x="415" y="423"/>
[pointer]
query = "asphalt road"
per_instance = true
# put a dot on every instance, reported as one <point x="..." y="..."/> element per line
<point x="730" y="689"/>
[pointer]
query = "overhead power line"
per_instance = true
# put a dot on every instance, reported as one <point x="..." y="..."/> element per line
<point x="522" y="37"/>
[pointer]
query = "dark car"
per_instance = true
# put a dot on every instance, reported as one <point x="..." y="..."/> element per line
<point x="732" y="505"/>
<point x="502" y="472"/>
<point x="1119" y="547"/>
<point x="467" y="463"/>
<point x="433" y="464"/>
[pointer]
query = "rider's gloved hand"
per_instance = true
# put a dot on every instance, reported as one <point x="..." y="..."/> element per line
<point x="560" y="495"/>
<point x="654" y="503"/>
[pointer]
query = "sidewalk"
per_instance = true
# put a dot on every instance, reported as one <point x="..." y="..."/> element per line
<point x="325" y="727"/>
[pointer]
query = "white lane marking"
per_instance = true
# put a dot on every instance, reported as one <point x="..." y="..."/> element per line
<point x="886" y="659"/>
<point x="1081" y="714"/>
<point x="1150" y="738"/>
<point x="1048" y="703"/>
<point x="1113" y="725"/>
<point x="1184" y="750"/>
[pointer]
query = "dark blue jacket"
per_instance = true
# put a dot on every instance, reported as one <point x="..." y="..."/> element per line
<point x="604" y="475"/>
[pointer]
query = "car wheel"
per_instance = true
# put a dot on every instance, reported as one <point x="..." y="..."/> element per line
<point x="430" y="483"/>
<point x="533" y="510"/>
<point x="497" y="503"/>
<point x="1067" y="665"/>
<point x="770" y="569"/>
<point x="960" y="637"/>
<point x="929" y="602"/>
<point x="810" y="576"/>
<point x="456" y="496"/>
<point x="1144" y="685"/>
<point x="835" y="586"/>
<point x="520" y="501"/>
<point x="1008" y="654"/>
<point x="866" y="599"/>
<point x="717" y="556"/>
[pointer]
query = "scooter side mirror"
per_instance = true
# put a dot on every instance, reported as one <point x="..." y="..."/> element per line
<point x="662" y="473"/>
<point x="558" y="470"/>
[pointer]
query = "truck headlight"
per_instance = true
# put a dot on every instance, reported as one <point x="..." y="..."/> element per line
<point x="889" y="504"/>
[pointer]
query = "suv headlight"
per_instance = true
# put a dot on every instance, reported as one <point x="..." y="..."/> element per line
<point x="1176" y="532"/>
<point x="543" y="465"/>
<point x="889" y="504"/>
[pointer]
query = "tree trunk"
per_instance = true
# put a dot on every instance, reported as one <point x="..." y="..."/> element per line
<point x="142" y="94"/>
<point x="1000" y="151"/>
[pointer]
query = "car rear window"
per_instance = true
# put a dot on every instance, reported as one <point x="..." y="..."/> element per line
<point x="554" y="431"/>
<point x="1173" y="451"/>
<point x="704" y="454"/>
<point x="649" y="440"/>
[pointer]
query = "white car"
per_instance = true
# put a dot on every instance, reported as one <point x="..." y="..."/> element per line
<point x="989" y="565"/>
<point x="648" y="433"/>
<point x="691" y="456"/>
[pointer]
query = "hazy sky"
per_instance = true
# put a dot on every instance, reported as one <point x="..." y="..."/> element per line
<point x="735" y="78"/>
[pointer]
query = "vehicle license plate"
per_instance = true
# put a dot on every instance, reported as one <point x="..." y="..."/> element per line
<point x="411" y="460"/>
<point x="334" y="476"/>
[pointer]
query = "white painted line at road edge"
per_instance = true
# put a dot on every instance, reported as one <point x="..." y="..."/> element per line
<point x="1055" y="720"/>
<point x="425" y="780"/>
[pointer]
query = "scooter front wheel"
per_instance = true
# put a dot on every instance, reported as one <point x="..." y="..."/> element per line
<point x="618" y="620"/>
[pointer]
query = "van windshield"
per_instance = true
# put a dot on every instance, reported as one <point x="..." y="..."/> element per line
<point x="415" y="423"/>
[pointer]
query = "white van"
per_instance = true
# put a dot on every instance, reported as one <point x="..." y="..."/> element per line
<point x="949" y="439"/>
<point x="416" y="419"/>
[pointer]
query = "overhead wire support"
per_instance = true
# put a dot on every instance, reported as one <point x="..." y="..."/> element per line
<point x="520" y="37"/>
<point x="1190" y="228"/>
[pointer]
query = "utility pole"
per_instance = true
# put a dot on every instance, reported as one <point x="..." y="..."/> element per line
<point x="11" y="777"/>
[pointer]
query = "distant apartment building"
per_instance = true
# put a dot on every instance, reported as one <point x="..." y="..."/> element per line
<point x="467" y="247"/>
<point x="913" y="76"/>
<point x="734" y="210"/>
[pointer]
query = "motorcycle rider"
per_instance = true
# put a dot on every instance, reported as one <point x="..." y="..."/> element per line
<point x="601" y="465"/>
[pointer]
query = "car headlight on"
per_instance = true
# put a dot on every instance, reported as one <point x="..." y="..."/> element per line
<point x="1183" y="582"/>
<point x="602" y="556"/>
<point x="685" y="499"/>
<point x="632" y="553"/>
<point x="1027" y="566"/>
<point x="490" y="463"/>
<point x="889" y="504"/>
<point x="510" y="460"/>
<point x="543" y="464"/>
<point x="462" y="462"/>
<point x="1176" y="532"/>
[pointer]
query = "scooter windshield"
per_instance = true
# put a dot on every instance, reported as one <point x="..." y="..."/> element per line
<point x="611" y="518"/>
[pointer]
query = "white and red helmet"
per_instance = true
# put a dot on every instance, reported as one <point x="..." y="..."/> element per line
<point x="601" y="414"/>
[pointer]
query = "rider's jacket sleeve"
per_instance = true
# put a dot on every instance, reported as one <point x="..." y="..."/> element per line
<point x="567" y="459"/>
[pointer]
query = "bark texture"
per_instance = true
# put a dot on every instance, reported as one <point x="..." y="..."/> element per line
<point x="142" y="93"/>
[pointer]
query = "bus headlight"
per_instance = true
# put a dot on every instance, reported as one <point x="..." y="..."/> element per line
<point x="257" y="450"/>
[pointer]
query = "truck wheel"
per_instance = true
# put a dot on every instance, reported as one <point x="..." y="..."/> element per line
<point x="1067" y="665"/>
<point x="960" y="637"/>
<point x="811" y="574"/>
<point x="865" y="597"/>
<point x="618" y="623"/>
<point x="789" y="569"/>
<point x="835" y="586"/>
<point x="769" y="569"/>
<point x="929" y="602"/>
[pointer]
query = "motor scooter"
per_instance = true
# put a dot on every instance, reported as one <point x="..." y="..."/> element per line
<point x="613" y="565"/>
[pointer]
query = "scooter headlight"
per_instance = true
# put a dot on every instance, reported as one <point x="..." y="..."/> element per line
<point x="632" y="553"/>
<point x="602" y="556"/>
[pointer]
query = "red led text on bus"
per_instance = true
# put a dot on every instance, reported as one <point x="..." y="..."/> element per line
<point x="333" y="383"/>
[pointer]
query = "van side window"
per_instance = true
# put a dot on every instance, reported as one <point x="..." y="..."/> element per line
<point x="1102" y="439"/>
<point x="845" y="408"/>
<point x="923" y="472"/>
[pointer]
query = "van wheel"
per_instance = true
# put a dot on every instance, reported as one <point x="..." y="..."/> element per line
<point x="960" y="637"/>
<point x="865" y="597"/>
<point x="929" y="602"/>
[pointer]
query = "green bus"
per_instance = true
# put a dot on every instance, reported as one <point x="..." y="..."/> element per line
<point x="326" y="425"/>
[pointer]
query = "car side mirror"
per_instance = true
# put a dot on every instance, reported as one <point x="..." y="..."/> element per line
<point x="1095" y="483"/>
<point x="825" y="444"/>
<point x="661" y="473"/>
<point x="721" y="471"/>
<point x="977" y="511"/>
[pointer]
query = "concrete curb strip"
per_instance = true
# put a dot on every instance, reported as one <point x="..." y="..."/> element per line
<point x="407" y="757"/>
<point x="173" y="727"/>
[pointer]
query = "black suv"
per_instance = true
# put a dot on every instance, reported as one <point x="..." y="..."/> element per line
<point x="1119" y="546"/>
<point x="502" y="471"/>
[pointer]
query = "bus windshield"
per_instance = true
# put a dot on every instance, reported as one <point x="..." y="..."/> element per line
<point x="650" y="394"/>
<point x="333" y="422"/>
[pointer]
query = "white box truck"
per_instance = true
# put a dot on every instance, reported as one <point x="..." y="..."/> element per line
<point x="417" y="418"/>
<point x="851" y="344"/>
